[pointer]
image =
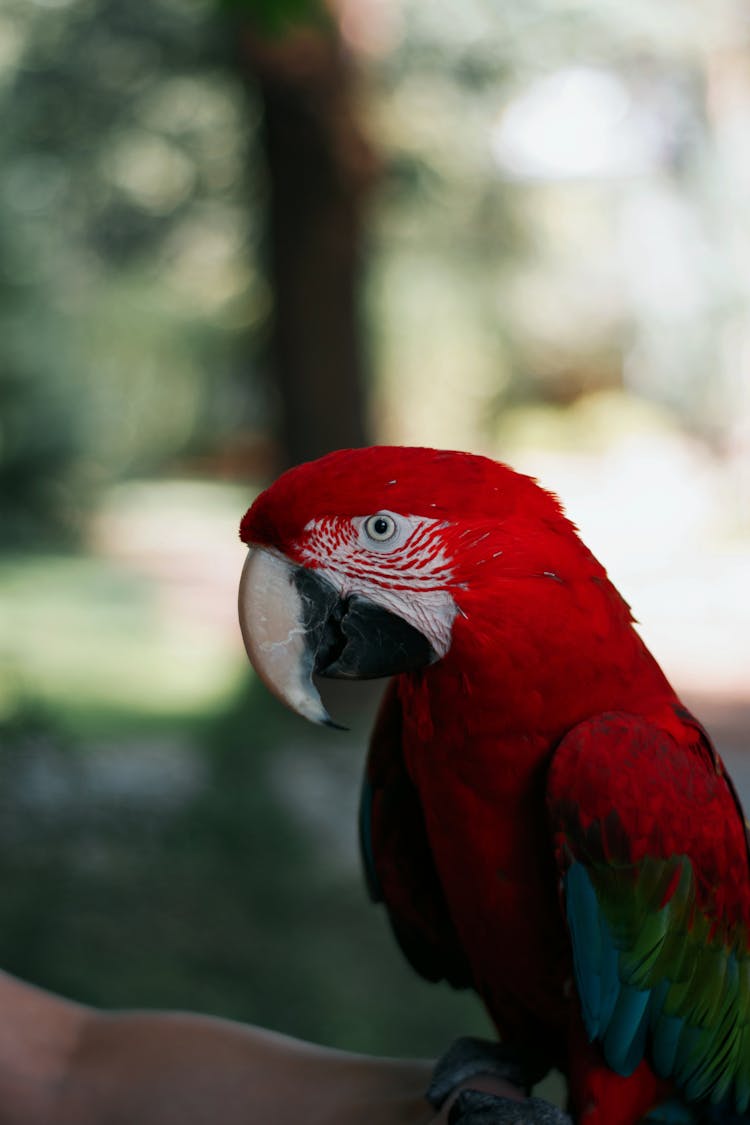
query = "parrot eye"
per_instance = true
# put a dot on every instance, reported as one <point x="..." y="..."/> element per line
<point x="381" y="527"/>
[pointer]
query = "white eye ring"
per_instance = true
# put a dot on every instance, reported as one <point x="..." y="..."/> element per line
<point x="380" y="528"/>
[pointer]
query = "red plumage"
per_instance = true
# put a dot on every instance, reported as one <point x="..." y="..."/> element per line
<point x="546" y="736"/>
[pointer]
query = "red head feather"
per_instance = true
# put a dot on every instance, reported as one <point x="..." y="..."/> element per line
<point x="413" y="481"/>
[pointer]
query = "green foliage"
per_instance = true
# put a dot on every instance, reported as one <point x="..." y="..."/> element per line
<point x="130" y="301"/>
<point x="274" y="17"/>
<point x="39" y="435"/>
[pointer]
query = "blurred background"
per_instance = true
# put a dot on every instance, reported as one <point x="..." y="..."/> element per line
<point x="235" y="236"/>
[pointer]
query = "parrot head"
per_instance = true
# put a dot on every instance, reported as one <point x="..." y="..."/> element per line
<point x="364" y="563"/>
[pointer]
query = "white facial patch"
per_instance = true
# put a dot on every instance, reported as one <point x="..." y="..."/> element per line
<point x="407" y="574"/>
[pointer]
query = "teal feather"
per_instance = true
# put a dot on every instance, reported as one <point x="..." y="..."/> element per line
<point x="671" y="1113"/>
<point x="665" y="1037"/>
<point x="585" y="923"/>
<point x="665" y="1031"/>
<point x="610" y="986"/>
<point x="625" y="1036"/>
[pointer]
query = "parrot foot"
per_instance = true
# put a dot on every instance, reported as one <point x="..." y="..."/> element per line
<point x="472" y="1107"/>
<point x="469" y="1056"/>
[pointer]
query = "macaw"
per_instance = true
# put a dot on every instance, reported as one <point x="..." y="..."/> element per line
<point x="542" y="817"/>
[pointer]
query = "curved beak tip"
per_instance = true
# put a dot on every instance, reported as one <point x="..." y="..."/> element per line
<point x="329" y="722"/>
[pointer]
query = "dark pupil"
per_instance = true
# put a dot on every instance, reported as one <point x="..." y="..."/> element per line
<point x="381" y="526"/>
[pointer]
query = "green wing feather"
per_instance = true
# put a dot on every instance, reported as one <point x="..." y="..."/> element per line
<point x="676" y="991"/>
<point x="661" y="972"/>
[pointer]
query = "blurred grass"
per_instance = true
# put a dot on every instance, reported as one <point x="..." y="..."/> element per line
<point x="86" y="638"/>
<point x="139" y="630"/>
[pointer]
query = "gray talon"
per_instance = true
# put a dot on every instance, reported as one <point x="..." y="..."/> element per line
<point x="468" y="1057"/>
<point x="472" y="1107"/>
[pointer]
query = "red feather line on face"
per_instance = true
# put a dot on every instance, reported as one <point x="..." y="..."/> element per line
<point x="333" y="544"/>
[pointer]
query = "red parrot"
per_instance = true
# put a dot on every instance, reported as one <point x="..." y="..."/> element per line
<point x="542" y="817"/>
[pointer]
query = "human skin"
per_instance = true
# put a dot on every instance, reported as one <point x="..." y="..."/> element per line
<point x="63" y="1063"/>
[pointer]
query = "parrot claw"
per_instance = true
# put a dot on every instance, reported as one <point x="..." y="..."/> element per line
<point x="472" y="1107"/>
<point x="469" y="1056"/>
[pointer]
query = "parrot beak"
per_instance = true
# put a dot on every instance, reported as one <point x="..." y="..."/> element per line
<point x="277" y="628"/>
<point x="294" y="623"/>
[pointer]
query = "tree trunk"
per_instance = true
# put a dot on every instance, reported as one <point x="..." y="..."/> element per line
<point x="319" y="172"/>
